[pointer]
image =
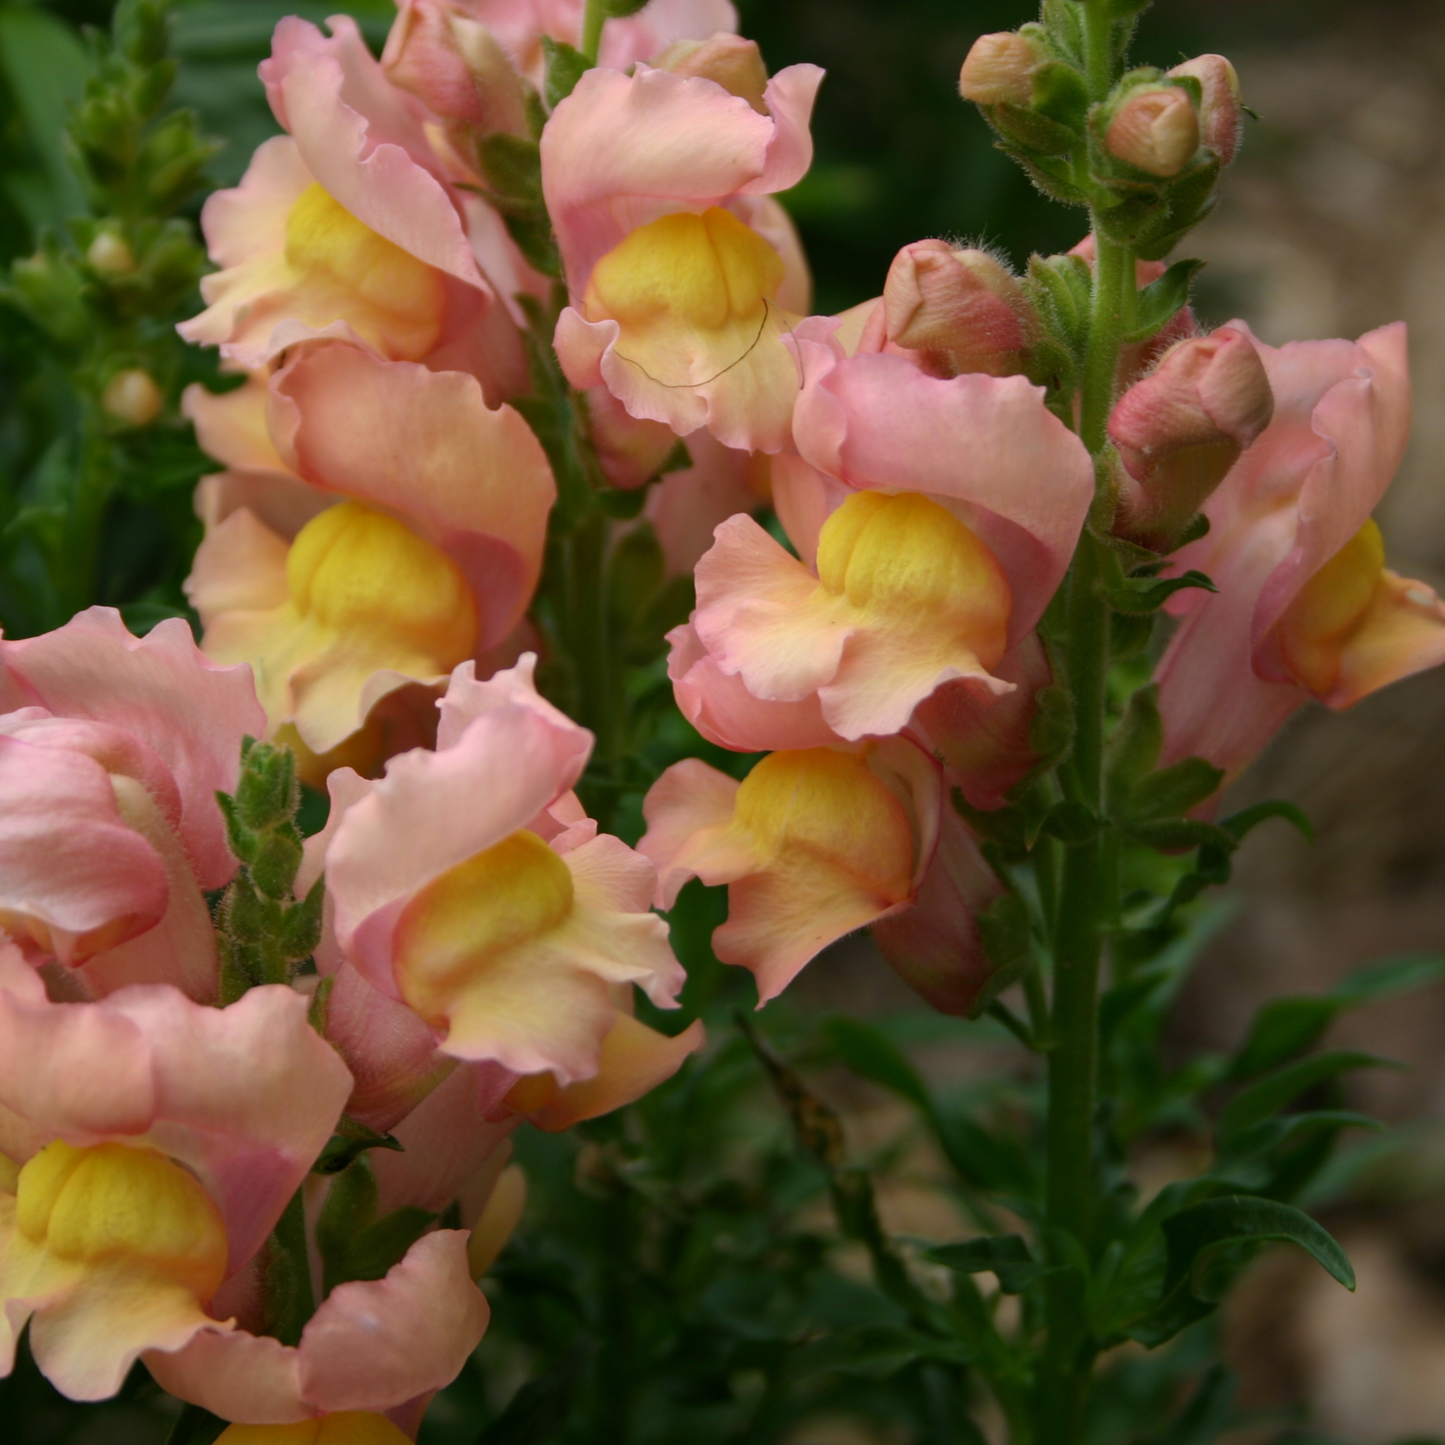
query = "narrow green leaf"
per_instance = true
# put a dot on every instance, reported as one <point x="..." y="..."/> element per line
<point x="1271" y="1093"/>
<point x="1172" y="834"/>
<point x="1007" y="1256"/>
<point x="1173" y="791"/>
<point x="1137" y="742"/>
<point x="1242" y="823"/>
<point x="1389" y="977"/>
<point x="1161" y="300"/>
<point x="874" y="1351"/>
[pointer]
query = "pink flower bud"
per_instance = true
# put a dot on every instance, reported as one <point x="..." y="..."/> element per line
<point x="1156" y="130"/>
<point x="1220" y="113"/>
<point x="1182" y="428"/>
<point x="729" y="60"/>
<point x="962" y="310"/>
<point x="1000" y="67"/>
<point x="456" y="67"/>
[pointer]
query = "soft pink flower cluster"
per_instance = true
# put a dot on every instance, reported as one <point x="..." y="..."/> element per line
<point x="372" y="550"/>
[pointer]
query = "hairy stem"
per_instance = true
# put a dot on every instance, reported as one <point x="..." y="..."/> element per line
<point x="1082" y="911"/>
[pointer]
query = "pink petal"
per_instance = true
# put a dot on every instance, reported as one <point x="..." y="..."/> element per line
<point x="689" y="799"/>
<point x="375" y="1344"/>
<point x="163" y="689"/>
<point x="68" y="859"/>
<point x="362" y="140"/>
<point x="1010" y="468"/>
<point x="425" y="445"/>
<point x="623" y="150"/>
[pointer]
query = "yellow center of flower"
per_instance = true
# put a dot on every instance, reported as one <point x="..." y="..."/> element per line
<point x="474" y="915"/>
<point x="682" y="276"/>
<point x="354" y="570"/>
<point x="392" y="298"/>
<point x="909" y="559"/>
<point x="1319" y="623"/>
<point x="350" y="1427"/>
<point x="821" y="804"/>
<point x="111" y="1204"/>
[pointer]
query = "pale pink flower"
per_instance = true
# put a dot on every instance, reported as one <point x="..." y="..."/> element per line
<point x="112" y="749"/>
<point x="812" y="845"/>
<point x="348" y="227"/>
<point x="431" y="558"/>
<point x="152" y="1145"/>
<point x="469" y="885"/>
<point x="934" y="518"/>
<point x="1305" y="606"/>
<point x="654" y="175"/>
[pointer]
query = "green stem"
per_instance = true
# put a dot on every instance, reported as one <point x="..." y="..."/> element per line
<point x="1082" y="911"/>
<point x="593" y="19"/>
<point x="590" y="643"/>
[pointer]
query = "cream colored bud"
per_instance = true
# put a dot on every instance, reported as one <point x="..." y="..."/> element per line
<point x="110" y="255"/>
<point x="1156" y="130"/>
<point x="999" y="67"/>
<point x="734" y="63"/>
<point x="132" y="398"/>
<point x="1220" y="113"/>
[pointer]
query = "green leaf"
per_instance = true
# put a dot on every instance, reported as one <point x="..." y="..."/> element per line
<point x="1269" y="1135"/>
<point x="45" y="68"/>
<point x="1140" y="595"/>
<point x="539" y="1411"/>
<point x="873" y="1056"/>
<point x="566" y="65"/>
<point x="874" y="1351"/>
<point x="1242" y="823"/>
<point x="1005" y="1255"/>
<point x="1008" y="940"/>
<point x="1282" y="1029"/>
<point x="1061" y="93"/>
<point x="1160" y="301"/>
<point x="512" y="165"/>
<point x="1390" y="977"/>
<point x="351" y="1139"/>
<point x="1032" y="132"/>
<point x="1207" y="1243"/>
<point x="1271" y="1093"/>
<point x="1176" y="834"/>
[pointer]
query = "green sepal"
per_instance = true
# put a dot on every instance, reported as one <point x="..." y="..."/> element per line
<point x="1160" y="301"/>
<point x="1061" y="94"/>
<point x="1060" y="289"/>
<point x="1054" y="178"/>
<point x="300" y="932"/>
<point x="565" y="66"/>
<point x="1065" y="31"/>
<point x="512" y="165"/>
<point x="1141" y="595"/>
<point x="277" y="859"/>
<point x="351" y="1139"/>
<point x="1029" y="132"/>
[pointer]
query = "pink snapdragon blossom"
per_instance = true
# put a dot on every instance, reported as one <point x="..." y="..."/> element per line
<point x="430" y="559"/>
<point x="1305" y="607"/>
<point x="935" y="519"/>
<point x="812" y="844"/>
<point x="112" y="748"/>
<point x="676" y="259"/>
<point x="152" y="1144"/>
<point x="348" y="227"/>
<point x="505" y="920"/>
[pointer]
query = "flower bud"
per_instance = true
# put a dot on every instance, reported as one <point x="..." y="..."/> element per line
<point x="132" y="398"/>
<point x="729" y="60"/>
<point x="1155" y="129"/>
<point x="110" y="255"/>
<point x="1000" y="68"/>
<point x="1220" y="113"/>
<point x="962" y="310"/>
<point x="1181" y="429"/>
<point x="456" y="67"/>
